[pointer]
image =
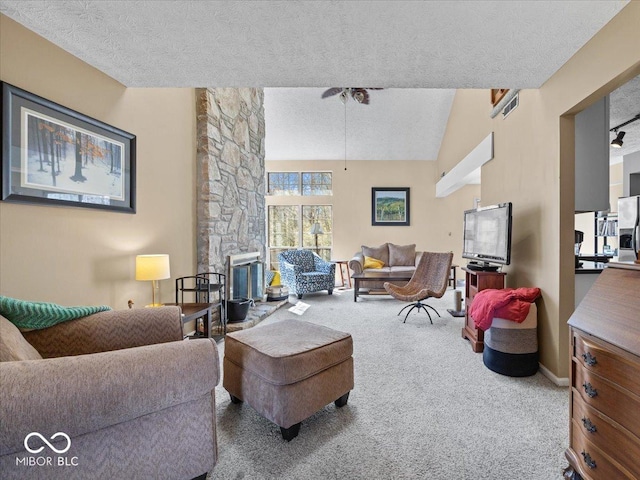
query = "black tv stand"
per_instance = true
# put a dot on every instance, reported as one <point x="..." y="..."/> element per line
<point x="482" y="267"/>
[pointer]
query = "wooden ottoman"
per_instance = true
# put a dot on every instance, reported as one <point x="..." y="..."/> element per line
<point x="288" y="370"/>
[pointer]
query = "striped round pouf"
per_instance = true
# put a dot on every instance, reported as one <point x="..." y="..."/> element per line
<point x="511" y="348"/>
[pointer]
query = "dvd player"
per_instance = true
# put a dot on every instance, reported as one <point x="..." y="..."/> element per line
<point x="482" y="267"/>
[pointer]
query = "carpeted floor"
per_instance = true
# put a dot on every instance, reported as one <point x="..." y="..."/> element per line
<point x="424" y="406"/>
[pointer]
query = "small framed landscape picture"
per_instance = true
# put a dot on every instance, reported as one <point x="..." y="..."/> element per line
<point x="54" y="155"/>
<point x="390" y="206"/>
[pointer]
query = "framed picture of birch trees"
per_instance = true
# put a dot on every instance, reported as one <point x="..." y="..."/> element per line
<point x="57" y="156"/>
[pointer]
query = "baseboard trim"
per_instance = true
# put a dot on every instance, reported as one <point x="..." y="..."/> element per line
<point x="561" y="382"/>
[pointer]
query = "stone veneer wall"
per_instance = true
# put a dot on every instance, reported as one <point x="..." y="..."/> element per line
<point x="230" y="175"/>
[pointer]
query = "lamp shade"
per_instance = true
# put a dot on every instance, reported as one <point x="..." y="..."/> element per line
<point x="152" y="267"/>
<point x="316" y="229"/>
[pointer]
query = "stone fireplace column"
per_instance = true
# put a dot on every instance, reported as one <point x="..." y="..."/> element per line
<point x="230" y="175"/>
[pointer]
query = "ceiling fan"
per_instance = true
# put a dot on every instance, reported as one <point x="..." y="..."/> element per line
<point x="360" y="95"/>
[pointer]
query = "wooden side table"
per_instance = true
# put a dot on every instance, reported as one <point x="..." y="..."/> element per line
<point x="195" y="311"/>
<point x="452" y="276"/>
<point x="345" y="264"/>
<point x="475" y="282"/>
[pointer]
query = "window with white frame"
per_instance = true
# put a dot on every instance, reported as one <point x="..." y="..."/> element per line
<point x="299" y="183"/>
<point x="316" y="183"/>
<point x="290" y="228"/>
<point x="290" y="224"/>
<point x="283" y="183"/>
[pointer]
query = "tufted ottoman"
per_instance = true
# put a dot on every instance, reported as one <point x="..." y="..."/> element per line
<point x="288" y="370"/>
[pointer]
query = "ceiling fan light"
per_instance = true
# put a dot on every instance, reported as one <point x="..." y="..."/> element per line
<point x="617" y="142"/>
<point x="358" y="96"/>
<point x="344" y="97"/>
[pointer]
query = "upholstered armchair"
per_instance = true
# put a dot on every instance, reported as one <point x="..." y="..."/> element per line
<point x="134" y="399"/>
<point x="304" y="272"/>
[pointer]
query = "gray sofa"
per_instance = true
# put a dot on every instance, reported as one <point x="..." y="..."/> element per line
<point x="395" y="258"/>
<point x="134" y="398"/>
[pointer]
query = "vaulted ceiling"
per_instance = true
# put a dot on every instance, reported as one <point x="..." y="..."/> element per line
<point x="399" y="45"/>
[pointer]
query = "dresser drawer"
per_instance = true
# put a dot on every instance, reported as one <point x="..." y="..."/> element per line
<point x="593" y="462"/>
<point x="597" y="356"/>
<point x="617" y="403"/>
<point x="604" y="433"/>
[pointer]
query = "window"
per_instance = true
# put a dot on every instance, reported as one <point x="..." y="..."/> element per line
<point x="289" y="221"/>
<point x="295" y="183"/>
<point x="316" y="183"/>
<point x="289" y="227"/>
<point x="284" y="183"/>
<point x="322" y="215"/>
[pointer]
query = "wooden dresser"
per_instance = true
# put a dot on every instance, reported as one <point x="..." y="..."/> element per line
<point x="605" y="378"/>
<point x="475" y="281"/>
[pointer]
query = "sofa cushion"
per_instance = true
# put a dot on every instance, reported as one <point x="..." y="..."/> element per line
<point x="380" y="253"/>
<point x="402" y="268"/>
<point x="370" y="262"/>
<point x="13" y="346"/>
<point x="402" y="255"/>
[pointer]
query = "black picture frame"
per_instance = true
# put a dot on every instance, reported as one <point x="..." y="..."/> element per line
<point x="56" y="156"/>
<point x="390" y="206"/>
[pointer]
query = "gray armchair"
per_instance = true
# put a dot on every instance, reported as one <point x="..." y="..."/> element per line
<point x="134" y="398"/>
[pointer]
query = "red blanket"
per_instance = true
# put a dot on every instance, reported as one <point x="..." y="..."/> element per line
<point x="510" y="303"/>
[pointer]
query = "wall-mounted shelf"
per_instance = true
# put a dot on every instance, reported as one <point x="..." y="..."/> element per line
<point x="604" y="227"/>
<point x="607" y="226"/>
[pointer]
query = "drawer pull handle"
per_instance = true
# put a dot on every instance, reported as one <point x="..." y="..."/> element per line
<point x="589" y="390"/>
<point x="589" y="359"/>
<point x="590" y="427"/>
<point x="589" y="462"/>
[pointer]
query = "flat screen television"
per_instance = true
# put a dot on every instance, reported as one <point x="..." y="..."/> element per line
<point x="487" y="236"/>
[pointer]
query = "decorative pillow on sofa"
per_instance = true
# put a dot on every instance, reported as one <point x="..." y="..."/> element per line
<point x="381" y="253"/>
<point x="404" y="255"/>
<point x="13" y="346"/>
<point x="370" y="262"/>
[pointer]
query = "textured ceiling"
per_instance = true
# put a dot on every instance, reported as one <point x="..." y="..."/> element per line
<point x="624" y="104"/>
<point x="439" y="45"/>
<point x="427" y="44"/>
<point x="398" y="124"/>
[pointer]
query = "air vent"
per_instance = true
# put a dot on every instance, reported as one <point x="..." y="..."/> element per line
<point x="513" y="103"/>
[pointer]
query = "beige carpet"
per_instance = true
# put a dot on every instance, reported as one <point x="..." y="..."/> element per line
<point x="424" y="406"/>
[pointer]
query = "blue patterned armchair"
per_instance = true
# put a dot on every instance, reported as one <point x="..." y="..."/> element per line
<point x="304" y="272"/>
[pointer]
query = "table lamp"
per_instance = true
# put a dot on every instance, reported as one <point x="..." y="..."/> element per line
<point x="316" y="229"/>
<point x="154" y="268"/>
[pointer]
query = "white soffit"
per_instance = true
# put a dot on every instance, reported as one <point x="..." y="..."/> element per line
<point x="398" y="124"/>
<point x="468" y="170"/>
<point x="409" y="44"/>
